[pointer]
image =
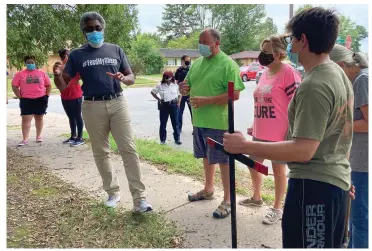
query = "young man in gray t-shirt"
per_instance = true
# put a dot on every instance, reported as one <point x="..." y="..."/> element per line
<point x="318" y="140"/>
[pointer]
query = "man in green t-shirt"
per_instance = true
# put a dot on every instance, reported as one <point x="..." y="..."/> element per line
<point x="206" y="83"/>
<point x="318" y="140"/>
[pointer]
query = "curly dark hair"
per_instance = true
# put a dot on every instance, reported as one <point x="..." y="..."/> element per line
<point x="62" y="53"/>
<point x="28" y="57"/>
<point x="320" y="26"/>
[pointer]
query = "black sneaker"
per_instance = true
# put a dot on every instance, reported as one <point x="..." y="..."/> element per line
<point x="178" y="142"/>
<point x="77" y="142"/>
<point x="69" y="141"/>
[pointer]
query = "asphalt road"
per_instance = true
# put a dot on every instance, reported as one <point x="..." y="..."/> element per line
<point x="145" y="116"/>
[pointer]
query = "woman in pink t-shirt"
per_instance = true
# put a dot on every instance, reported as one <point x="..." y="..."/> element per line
<point x="271" y="99"/>
<point x="32" y="87"/>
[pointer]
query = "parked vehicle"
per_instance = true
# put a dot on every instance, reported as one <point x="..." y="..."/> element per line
<point x="249" y="72"/>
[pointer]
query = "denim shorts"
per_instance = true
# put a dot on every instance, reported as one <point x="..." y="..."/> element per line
<point x="201" y="148"/>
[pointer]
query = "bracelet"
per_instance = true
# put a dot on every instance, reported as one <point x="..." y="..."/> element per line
<point x="57" y="75"/>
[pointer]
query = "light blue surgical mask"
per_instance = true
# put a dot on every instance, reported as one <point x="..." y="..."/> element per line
<point x="30" y="67"/>
<point x="95" y="39"/>
<point x="292" y="56"/>
<point x="205" y="50"/>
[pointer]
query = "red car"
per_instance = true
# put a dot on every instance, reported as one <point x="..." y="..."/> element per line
<point x="249" y="72"/>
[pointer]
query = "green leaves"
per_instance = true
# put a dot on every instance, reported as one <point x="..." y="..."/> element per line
<point x="144" y="55"/>
<point x="242" y="26"/>
<point x="42" y="29"/>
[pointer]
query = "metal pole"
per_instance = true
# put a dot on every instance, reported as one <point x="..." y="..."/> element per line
<point x="230" y="90"/>
<point x="290" y="11"/>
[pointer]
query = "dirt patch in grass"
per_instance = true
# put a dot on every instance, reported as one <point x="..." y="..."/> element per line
<point x="45" y="212"/>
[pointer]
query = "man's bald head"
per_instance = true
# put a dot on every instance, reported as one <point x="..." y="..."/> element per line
<point x="211" y="37"/>
<point x="212" y="33"/>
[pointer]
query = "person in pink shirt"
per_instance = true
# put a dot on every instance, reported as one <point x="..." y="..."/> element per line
<point x="272" y="95"/>
<point x="32" y="86"/>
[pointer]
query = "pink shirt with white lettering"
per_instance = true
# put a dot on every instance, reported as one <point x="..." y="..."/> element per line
<point x="32" y="84"/>
<point x="271" y="99"/>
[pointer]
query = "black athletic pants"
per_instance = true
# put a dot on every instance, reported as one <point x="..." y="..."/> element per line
<point x="314" y="215"/>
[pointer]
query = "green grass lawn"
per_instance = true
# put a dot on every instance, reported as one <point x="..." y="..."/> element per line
<point x="183" y="162"/>
<point x="159" y="76"/>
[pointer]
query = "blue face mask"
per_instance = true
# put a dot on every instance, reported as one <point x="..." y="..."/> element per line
<point x="205" y="50"/>
<point x="30" y="67"/>
<point x="95" y="39"/>
<point x="293" y="57"/>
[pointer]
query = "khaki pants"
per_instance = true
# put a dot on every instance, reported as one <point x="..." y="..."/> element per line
<point x="101" y="117"/>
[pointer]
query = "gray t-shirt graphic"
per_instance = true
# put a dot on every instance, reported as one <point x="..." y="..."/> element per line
<point x="359" y="148"/>
<point x="92" y="65"/>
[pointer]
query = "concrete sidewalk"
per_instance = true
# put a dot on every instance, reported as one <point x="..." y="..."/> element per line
<point x="166" y="192"/>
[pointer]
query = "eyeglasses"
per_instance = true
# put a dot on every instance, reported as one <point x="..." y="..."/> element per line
<point x="288" y="39"/>
<point x="91" y="28"/>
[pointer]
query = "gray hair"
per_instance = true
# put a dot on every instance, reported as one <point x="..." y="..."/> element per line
<point x="87" y="16"/>
<point x="214" y="33"/>
<point x="340" y="53"/>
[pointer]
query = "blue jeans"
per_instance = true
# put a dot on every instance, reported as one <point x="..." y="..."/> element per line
<point x="184" y="100"/>
<point x="73" y="112"/>
<point x="359" y="211"/>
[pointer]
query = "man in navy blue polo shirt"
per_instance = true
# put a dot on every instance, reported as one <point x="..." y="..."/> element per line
<point x="102" y="67"/>
<point x="180" y="75"/>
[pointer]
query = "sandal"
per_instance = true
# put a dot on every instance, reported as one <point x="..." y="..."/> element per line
<point x="251" y="202"/>
<point x="201" y="195"/>
<point x="222" y="210"/>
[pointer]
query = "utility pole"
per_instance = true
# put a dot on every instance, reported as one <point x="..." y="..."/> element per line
<point x="290" y="11"/>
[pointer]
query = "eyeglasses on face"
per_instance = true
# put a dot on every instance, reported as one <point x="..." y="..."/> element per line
<point x="288" y="39"/>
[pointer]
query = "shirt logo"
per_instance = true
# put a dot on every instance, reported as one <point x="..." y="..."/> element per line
<point x="100" y="61"/>
<point x="32" y="79"/>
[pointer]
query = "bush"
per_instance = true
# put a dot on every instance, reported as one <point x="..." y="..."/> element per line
<point x="144" y="56"/>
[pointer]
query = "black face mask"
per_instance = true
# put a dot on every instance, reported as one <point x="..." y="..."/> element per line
<point x="265" y="59"/>
<point x="187" y="63"/>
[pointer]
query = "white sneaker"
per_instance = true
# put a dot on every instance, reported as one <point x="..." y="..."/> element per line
<point x="272" y="216"/>
<point x="142" y="206"/>
<point x="112" y="201"/>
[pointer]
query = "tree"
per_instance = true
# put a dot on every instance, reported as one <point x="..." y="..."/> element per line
<point x="266" y="29"/>
<point x="347" y="27"/>
<point x="218" y="12"/>
<point x="240" y="26"/>
<point x="36" y="30"/>
<point x="41" y="29"/>
<point x="178" y="20"/>
<point x="185" y="42"/>
<point x="144" y="56"/>
<point x="357" y="32"/>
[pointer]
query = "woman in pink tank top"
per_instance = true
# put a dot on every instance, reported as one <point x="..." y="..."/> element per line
<point x="272" y="95"/>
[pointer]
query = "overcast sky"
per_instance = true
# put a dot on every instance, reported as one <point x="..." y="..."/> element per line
<point x="149" y="18"/>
